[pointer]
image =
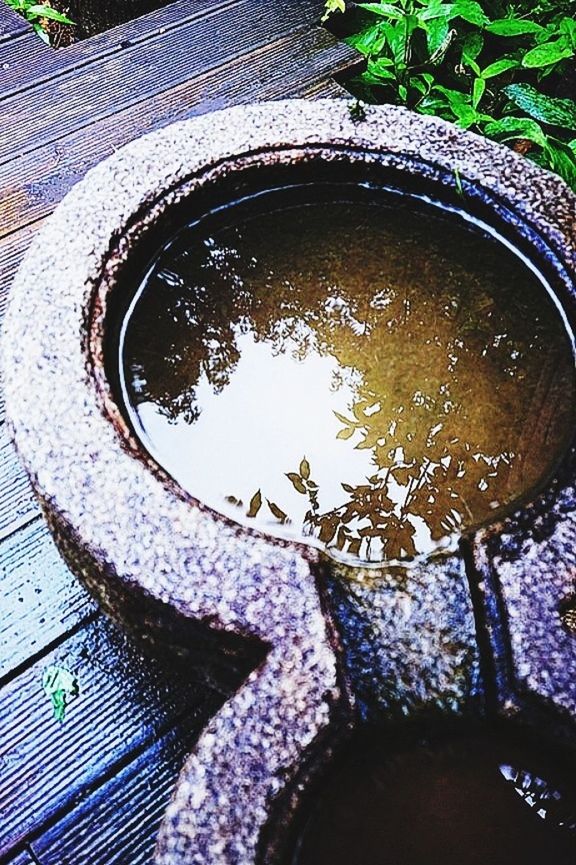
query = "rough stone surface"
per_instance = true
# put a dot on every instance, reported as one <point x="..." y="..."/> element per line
<point x="410" y="641"/>
<point x="132" y="535"/>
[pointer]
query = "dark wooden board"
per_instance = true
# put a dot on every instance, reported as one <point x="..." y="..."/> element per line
<point x="23" y="858"/>
<point x="118" y="823"/>
<point x="94" y="92"/>
<point x="41" y="601"/>
<point x="47" y="173"/>
<point x="126" y="703"/>
<point x="93" y="790"/>
<point x="17" y="502"/>
<point x="11" y="23"/>
<point x="42" y="64"/>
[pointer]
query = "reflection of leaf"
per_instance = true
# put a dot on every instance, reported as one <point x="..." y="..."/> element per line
<point x="328" y="529"/>
<point x="255" y="504"/>
<point x="305" y="469"/>
<point x="399" y="544"/>
<point x="402" y="475"/>
<point x="278" y="512"/>
<point x="354" y="546"/>
<point x="344" y="419"/>
<point x="345" y="433"/>
<point x="297" y="482"/>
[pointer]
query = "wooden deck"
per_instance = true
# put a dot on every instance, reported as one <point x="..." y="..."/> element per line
<point x="91" y="791"/>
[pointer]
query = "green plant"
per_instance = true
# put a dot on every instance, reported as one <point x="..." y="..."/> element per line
<point x="37" y="14"/>
<point x="60" y="686"/>
<point x="503" y="69"/>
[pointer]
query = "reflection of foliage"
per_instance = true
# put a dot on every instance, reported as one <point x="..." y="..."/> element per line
<point x="446" y="352"/>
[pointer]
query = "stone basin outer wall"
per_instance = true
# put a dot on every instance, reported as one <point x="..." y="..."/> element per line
<point x="157" y="558"/>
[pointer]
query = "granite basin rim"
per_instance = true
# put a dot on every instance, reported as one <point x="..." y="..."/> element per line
<point x="54" y="378"/>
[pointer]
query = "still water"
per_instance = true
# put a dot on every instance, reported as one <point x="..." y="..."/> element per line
<point x="376" y="375"/>
<point x="471" y="798"/>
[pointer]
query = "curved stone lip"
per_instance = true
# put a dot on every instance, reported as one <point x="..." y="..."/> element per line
<point x="82" y="465"/>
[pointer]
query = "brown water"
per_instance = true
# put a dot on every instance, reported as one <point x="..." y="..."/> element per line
<point x="380" y="378"/>
<point x="467" y="799"/>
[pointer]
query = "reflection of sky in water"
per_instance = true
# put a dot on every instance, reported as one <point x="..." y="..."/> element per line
<point x="299" y="420"/>
<point x="394" y="367"/>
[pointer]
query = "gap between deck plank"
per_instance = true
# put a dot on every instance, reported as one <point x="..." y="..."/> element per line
<point x="41" y="601"/>
<point x="126" y="702"/>
<point x="119" y="822"/>
<point x="74" y="100"/>
<point x="16" y="76"/>
<point x="12" y="24"/>
<point x="30" y="190"/>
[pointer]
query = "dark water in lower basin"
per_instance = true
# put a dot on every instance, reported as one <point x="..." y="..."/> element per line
<point x="478" y="798"/>
<point x="377" y="375"/>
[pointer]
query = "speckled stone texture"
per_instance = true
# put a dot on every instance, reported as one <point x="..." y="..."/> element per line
<point x="409" y="641"/>
<point x="154" y="555"/>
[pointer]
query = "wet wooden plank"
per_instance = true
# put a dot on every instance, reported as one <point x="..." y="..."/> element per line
<point x="126" y="703"/>
<point x="327" y="88"/>
<point x="11" y="24"/>
<point x="23" y="858"/>
<point x="41" y="600"/>
<point x="119" y="822"/>
<point x="285" y="67"/>
<point x="92" y="93"/>
<point x="18" y="76"/>
<point x="17" y="502"/>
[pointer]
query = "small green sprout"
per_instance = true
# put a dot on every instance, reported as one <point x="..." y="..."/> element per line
<point x="60" y="686"/>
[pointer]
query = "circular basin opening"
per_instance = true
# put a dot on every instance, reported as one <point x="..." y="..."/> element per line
<point x="463" y="797"/>
<point x="371" y="370"/>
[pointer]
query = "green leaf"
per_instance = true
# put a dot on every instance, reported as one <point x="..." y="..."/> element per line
<point x="470" y="11"/>
<point x="331" y="6"/>
<point x="478" y="89"/>
<point x="547" y="54"/>
<point x="514" y="27"/>
<point x="509" y="128"/>
<point x="369" y="41"/>
<point x="296" y="482"/>
<point x="436" y="37"/>
<point x="378" y="71"/>
<point x="548" y="109"/>
<point x="386" y="10"/>
<point x="60" y="686"/>
<point x="562" y="161"/>
<point x="437" y="9"/>
<point x="42" y="11"/>
<point x="472" y="46"/>
<point x="499" y="67"/>
<point x="255" y="504"/>
<point x="568" y="28"/>
<point x="305" y="469"/>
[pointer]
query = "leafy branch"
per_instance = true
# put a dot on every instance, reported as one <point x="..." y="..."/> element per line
<point x="504" y="70"/>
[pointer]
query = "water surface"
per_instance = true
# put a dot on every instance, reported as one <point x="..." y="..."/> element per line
<point x="377" y="376"/>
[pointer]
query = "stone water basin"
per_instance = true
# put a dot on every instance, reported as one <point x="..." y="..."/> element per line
<point x="299" y="400"/>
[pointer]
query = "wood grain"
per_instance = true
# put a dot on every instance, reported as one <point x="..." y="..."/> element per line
<point x="44" y="62"/>
<point x="41" y="601"/>
<point x="126" y="703"/>
<point x="118" y="823"/>
<point x="11" y="24"/>
<point x="96" y="91"/>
